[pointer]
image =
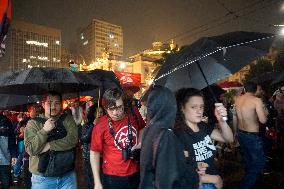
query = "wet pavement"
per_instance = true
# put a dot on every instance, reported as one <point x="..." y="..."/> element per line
<point x="231" y="170"/>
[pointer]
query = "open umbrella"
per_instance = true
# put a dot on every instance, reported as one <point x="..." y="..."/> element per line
<point x="36" y="81"/>
<point x="107" y="79"/>
<point x="8" y="101"/>
<point x="211" y="59"/>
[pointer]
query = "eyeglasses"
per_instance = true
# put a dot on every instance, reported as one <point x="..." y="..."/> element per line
<point x="117" y="108"/>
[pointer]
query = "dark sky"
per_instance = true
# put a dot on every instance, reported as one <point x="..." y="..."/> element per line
<point x="144" y="21"/>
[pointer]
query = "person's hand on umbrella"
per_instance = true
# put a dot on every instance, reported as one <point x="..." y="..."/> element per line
<point x="49" y="125"/>
<point x="220" y="112"/>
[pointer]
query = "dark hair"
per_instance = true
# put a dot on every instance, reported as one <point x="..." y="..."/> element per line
<point x="182" y="97"/>
<point x="250" y="87"/>
<point x="52" y="93"/>
<point x="111" y="96"/>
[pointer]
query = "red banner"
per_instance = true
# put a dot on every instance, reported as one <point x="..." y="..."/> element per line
<point x="130" y="81"/>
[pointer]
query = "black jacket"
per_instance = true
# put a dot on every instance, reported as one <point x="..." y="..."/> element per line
<point x="6" y="129"/>
<point x="163" y="165"/>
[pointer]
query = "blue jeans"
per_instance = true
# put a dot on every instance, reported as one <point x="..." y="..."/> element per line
<point x="67" y="181"/>
<point x="253" y="157"/>
<point x="19" y="163"/>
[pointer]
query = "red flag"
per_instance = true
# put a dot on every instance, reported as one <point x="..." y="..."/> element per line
<point x="5" y="16"/>
<point x="130" y="81"/>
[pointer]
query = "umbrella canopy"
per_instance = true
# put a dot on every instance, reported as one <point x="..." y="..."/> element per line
<point x="107" y="79"/>
<point x="17" y="102"/>
<point x="211" y="59"/>
<point x="36" y="81"/>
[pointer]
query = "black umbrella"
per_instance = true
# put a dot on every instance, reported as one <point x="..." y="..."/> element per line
<point x="35" y="81"/>
<point x="107" y="79"/>
<point x="211" y="59"/>
<point x="10" y="101"/>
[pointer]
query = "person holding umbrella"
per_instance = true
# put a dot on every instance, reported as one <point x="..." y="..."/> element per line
<point x="196" y="135"/>
<point x="50" y="141"/>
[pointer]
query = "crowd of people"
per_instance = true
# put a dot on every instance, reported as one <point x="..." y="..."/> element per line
<point x="167" y="143"/>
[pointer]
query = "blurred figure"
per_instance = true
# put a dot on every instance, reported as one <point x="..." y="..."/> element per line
<point x="85" y="134"/>
<point x="143" y="110"/>
<point x="19" y="132"/>
<point x="77" y="112"/>
<point x="163" y="163"/>
<point x="8" y="150"/>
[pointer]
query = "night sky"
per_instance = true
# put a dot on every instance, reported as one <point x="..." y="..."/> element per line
<point x="144" y="21"/>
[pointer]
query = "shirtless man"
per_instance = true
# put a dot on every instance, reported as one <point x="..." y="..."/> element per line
<point x="250" y="110"/>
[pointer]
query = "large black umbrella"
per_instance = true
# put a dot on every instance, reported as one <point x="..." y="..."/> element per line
<point x="107" y="79"/>
<point x="212" y="58"/>
<point x="36" y="81"/>
<point x="17" y="102"/>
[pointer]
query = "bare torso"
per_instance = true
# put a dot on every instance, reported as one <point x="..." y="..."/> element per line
<point x="246" y="113"/>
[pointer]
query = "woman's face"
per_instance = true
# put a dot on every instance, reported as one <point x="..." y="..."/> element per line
<point x="193" y="109"/>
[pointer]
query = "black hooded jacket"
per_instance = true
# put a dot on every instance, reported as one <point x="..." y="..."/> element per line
<point x="168" y="169"/>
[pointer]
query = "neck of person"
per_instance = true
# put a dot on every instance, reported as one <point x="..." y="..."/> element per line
<point x="193" y="126"/>
<point x="250" y="94"/>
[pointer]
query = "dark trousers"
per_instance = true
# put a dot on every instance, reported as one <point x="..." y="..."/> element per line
<point x="253" y="156"/>
<point x="27" y="175"/>
<point x="5" y="175"/>
<point x="117" y="182"/>
<point x="88" y="174"/>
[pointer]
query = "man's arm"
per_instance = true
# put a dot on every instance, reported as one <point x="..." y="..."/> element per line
<point x="261" y="111"/>
<point x="95" y="164"/>
<point x="71" y="139"/>
<point x="35" y="140"/>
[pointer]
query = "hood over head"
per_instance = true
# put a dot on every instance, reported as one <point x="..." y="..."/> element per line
<point x="161" y="107"/>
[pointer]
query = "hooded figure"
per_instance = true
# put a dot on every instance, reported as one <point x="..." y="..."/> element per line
<point x="163" y="164"/>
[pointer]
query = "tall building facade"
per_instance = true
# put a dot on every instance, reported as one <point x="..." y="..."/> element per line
<point x="100" y="39"/>
<point x="32" y="45"/>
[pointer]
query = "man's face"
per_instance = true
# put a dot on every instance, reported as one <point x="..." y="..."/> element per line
<point x="33" y="112"/>
<point x="116" y="112"/>
<point x="52" y="105"/>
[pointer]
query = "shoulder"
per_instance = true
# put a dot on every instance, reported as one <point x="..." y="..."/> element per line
<point x="102" y="123"/>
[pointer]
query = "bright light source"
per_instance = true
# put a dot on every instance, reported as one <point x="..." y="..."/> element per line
<point x="122" y="65"/>
<point x="282" y="31"/>
<point x="116" y="45"/>
<point x="24" y="60"/>
<point x="57" y="42"/>
<point x="111" y="36"/>
<point x="86" y="42"/>
<point x="82" y="36"/>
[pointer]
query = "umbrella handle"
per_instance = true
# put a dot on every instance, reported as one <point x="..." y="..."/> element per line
<point x="97" y="116"/>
